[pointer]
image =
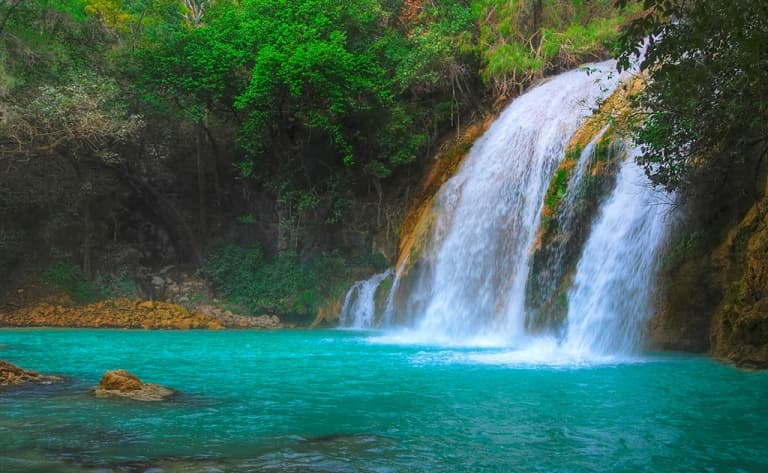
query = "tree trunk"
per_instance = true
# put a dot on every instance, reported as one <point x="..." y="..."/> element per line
<point x="87" y="243"/>
<point x="380" y="195"/>
<point x="216" y="159"/>
<point x="283" y="227"/>
<point x="200" y="181"/>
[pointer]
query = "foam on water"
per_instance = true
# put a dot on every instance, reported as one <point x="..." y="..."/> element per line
<point x="533" y="352"/>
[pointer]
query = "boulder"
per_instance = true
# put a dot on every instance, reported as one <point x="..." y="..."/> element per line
<point x="121" y="383"/>
<point x="11" y="375"/>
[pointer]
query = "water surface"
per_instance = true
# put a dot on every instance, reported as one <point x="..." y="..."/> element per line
<point x="338" y="401"/>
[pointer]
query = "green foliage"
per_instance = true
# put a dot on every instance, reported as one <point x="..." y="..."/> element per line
<point x="681" y="249"/>
<point x="68" y="278"/>
<point x="560" y="183"/>
<point x="707" y="112"/>
<point x="285" y="283"/>
<point x="247" y="219"/>
<point x="519" y="44"/>
<point x="310" y="62"/>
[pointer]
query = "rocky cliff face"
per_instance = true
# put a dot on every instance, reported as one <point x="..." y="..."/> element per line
<point x="739" y="330"/>
<point x="715" y="282"/>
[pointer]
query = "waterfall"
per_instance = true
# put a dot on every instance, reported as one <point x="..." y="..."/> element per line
<point x="611" y="295"/>
<point x="467" y="284"/>
<point x="359" y="309"/>
<point x="488" y="214"/>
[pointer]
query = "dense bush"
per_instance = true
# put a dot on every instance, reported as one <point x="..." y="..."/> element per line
<point x="68" y="278"/>
<point x="283" y="284"/>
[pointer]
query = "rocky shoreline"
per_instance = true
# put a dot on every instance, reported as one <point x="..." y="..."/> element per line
<point x="131" y="314"/>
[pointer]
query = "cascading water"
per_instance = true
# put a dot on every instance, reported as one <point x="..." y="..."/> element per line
<point x="359" y="309"/>
<point x="611" y="295"/>
<point x="469" y="286"/>
<point x="488" y="214"/>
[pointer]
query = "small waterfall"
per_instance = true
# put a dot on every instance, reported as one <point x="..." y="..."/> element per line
<point x="563" y="236"/>
<point x="569" y="201"/>
<point x="359" y="309"/>
<point x="611" y="295"/>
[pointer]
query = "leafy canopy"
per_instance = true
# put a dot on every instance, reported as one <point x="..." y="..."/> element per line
<point x="706" y="105"/>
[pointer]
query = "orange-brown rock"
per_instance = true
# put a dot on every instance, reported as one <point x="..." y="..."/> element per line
<point x="114" y="313"/>
<point x="227" y="318"/>
<point x="121" y="383"/>
<point x="12" y="375"/>
<point x="419" y="217"/>
<point x="739" y="330"/>
<point x="715" y="282"/>
<point x="120" y="380"/>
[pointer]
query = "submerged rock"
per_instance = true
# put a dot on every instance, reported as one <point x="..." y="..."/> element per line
<point x="121" y="383"/>
<point x="11" y="375"/>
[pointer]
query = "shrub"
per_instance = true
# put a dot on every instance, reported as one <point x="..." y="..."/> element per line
<point x="285" y="283"/>
<point x="68" y="278"/>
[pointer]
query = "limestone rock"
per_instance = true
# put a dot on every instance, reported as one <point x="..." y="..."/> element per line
<point x="11" y="375"/>
<point x="113" y="313"/>
<point x="121" y="383"/>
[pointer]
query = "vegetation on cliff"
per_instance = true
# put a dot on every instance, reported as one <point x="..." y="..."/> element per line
<point x="705" y="105"/>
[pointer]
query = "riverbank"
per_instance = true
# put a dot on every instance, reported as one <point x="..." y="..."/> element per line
<point x="129" y="314"/>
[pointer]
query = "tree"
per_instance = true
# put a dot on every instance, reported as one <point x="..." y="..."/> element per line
<point x="78" y="117"/>
<point x="705" y="110"/>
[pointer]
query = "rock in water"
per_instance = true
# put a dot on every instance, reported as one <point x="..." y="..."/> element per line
<point x="120" y="383"/>
<point x="11" y="375"/>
